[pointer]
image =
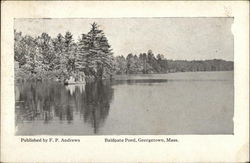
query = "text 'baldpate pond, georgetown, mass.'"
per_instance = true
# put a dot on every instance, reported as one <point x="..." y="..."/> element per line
<point x="126" y="76"/>
<point x="140" y="140"/>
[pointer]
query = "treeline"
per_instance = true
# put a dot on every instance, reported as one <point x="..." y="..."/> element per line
<point x="149" y="63"/>
<point x="62" y="57"/>
<point x="91" y="58"/>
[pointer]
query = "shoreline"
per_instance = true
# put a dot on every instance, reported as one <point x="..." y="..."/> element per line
<point x="114" y="77"/>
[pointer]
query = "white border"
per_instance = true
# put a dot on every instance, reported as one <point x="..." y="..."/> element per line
<point x="190" y="148"/>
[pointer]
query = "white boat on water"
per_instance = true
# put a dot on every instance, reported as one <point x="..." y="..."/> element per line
<point x="71" y="81"/>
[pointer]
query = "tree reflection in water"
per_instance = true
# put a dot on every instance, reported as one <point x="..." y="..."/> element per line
<point x="49" y="102"/>
<point x="98" y="97"/>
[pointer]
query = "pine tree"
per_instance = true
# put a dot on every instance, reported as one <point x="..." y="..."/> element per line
<point x="130" y="64"/>
<point x="81" y="58"/>
<point x="95" y="53"/>
<point x="30" y="51"/>
<point x="19" y="48"/>
<point x="69" y="53"/>
<point x="58" y="44"/>
<point x="120" y="65"/>
<point x="46" y="50"/>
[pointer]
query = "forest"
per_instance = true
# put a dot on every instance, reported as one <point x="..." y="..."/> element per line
<point x="91" y="58"/>
<point x="147" y="63"/>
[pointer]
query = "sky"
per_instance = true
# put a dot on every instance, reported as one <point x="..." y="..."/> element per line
<point x="175" y="38"/>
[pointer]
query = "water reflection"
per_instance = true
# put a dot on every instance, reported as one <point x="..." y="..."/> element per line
<point x="139" y="81"/>
<point x="179" y="103"/>
<point x="98" y="97"/>
<point x="50" y="102"/>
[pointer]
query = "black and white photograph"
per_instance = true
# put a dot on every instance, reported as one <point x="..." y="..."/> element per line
<point x="124" y="81"/>
<point x="124" y="76"/>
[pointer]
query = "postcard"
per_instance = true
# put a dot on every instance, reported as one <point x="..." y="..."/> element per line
<point x="116" y="81"/>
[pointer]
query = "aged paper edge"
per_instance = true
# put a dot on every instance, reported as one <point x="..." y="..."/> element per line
<point x="235" y="148"/>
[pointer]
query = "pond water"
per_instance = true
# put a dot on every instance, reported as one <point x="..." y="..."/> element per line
<point x="153" y="104"/>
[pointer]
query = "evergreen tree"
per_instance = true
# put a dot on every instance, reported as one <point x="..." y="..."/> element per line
<point x="97" y="52"/>
<point x="138" y="64"/>
<point x="121" y="65"/>
<point x="130" y="64"/>
<point x="30" y="51"/>
<point x="82" y="52"/>
<point x="70" y="51"/>
<point x="46" y="49"/>
<point x="60" y="61"/>
<point x="19" y="48"/>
